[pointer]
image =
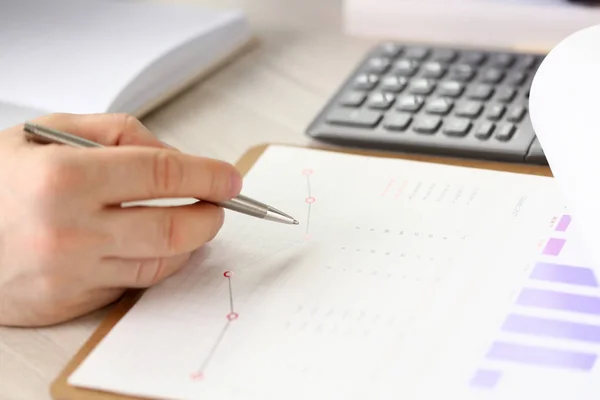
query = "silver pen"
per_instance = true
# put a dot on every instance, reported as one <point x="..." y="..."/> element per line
<point x="240" y="203"/>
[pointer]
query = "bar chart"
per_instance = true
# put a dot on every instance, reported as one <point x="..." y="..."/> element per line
<point x="562" y="293"/>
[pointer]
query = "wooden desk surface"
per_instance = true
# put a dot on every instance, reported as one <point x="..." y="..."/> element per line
<point x="268" y="95"/>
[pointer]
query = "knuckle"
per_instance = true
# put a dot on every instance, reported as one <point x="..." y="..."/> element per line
<point x="158" y="272"/>
<point x="150" y="272"/>
<point x="120" y="124"/>
<point x="169" y="238"/>
<point x="167" y="172"/>
<point x="212" y="183"/>
<point x="138" y="274"/>
<point x="126" y="121"/>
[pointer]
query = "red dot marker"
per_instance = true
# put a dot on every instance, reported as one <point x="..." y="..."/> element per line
<point x="307" y="172"/>
<point x="232" y="316"/>
<point x="228" y="274"/>
<point x="197" y="376"/>
<point x="310" y="200"/>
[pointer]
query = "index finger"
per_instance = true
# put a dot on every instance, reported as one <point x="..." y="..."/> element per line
<point x="126" y="174"/>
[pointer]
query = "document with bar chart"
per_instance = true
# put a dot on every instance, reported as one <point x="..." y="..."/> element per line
<point x="537" y="336"/>
<point x="404" y="280"/>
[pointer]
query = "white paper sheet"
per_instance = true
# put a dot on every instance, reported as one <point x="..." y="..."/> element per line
<point x="565" y="114"/>
<point x="105" y="56"/>
<point x="544" y="343"/>
<point x="524" y="24"/>
<point x="358" y="301"/>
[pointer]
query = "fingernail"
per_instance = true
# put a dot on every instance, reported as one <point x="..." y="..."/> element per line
<point x="236" y="183"/>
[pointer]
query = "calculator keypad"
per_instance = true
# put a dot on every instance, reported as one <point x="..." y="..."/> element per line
<point x="436" y="99"/>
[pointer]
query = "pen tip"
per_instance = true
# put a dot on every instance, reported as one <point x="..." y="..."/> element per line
<point x="296" y="222"/>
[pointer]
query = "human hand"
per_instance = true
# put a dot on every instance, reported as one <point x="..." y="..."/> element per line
<point x="67" y="247"/>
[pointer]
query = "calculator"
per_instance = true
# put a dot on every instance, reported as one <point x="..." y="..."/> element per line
<point x="438" y="100"/>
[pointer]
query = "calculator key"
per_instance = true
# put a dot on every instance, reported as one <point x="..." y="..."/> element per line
<point x="406" y="67"/>
<point x="470" y="109"/>
<point x="409" y="103"/>
<point x="378" y="64"/>
<point x="390" y="49"/>
<point x="433" y="69"/>
<point x="516" y="78"/>
<point x="451" y="88"/>
<point x="422" y="86"/>
<point x="416" y="53"/>
<point x="427" y="124"/>
<point x="503" y="60"/>
<point x="353" y="99"/>
<point x="444" y="55"/>
<point x="505" y="94"/>
<point x="440" y="106"/>
<point x="462" y="72"/>
<point x="366" y="81"/>
<point x="495" y="111"/>
<point x="492" y="75"/>
<point x="473" y="58"/>
<point x="354" y="117"/>
<point x="516" y="114"/>
<point x="394" y="83"/>
<point x="484" y="130"/>
<point x="505" y="132"/>
<point x="480" y="92"/>
<point x="397" y="121"/>
<point x="457" y="127"/>
<point x="381" y="100"/>
<point x="526" y="62"/>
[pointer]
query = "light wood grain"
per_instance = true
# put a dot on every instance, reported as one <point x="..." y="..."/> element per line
<point x="268" y="95"/>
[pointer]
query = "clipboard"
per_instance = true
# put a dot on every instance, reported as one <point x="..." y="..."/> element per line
<point x="61" y="390"/>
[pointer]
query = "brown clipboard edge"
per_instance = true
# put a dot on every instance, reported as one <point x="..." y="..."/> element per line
<point x="61" y="390"/>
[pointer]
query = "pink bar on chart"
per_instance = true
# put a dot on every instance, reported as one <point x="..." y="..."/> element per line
<point x="554" y="246"/>
<point x="563" y="223"/>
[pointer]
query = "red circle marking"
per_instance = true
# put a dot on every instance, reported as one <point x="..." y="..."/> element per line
<point x="232" y="316"/>
<point x="307" y="172"/>
<point x="228" y="274"/>
<point x="310" y="200"/>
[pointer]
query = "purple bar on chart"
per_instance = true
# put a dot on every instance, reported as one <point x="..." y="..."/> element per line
<point x="554" y="246"/>
<point x="541" y="356"/>
<point x="561" y="301"/>
<point x="560" y="273"/>
<point x="486" y="378"/>
<point x="563" y="223"/>
<point x="536" y="326"/>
